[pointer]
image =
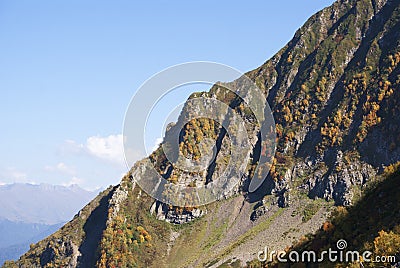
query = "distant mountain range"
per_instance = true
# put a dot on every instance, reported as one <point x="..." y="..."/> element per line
<point x="29" y="213"/>
<point x="42" y="203"/>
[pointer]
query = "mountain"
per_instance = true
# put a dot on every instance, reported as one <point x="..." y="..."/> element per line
<point x="31" y="212"/>
<point x="16" y="237"/>
<point x="52" y="203"/>
<point x="370" y="225"/>
<point x="334" y="91"/>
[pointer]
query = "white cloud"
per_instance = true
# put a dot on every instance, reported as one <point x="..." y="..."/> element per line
<point x="109" y="148"/>
<point x="14" y="175"/>
<point x="61" y="167"/>
<point x="71" y="146"/>
<point x="72" y="181"/>
<point x="18" y="175"/>
<point x="156" y="144"/>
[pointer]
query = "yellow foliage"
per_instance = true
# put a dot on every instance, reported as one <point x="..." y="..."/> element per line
<point x="141" y="238"/>
<point x="340" y="212"/>
<point x="387" y="243"/>
<point x="287" y="115"/>
<point x="391" y="169"/>
<point x="289" y="59"/>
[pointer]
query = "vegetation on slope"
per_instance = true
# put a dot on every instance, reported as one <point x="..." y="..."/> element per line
<point x="371" y="224"/>
<point x="334" y="91"/>
<point x="82" y="233"/>
<point x="133" y="237"/>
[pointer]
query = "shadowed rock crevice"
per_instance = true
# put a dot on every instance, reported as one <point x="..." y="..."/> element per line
<point x="93" y="228"/>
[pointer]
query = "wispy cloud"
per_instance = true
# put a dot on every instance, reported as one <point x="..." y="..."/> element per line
<point x="109" y="148"/>
<point x="71" y="147"/>
<point x="74" y="180"/>
<point x="61" y="167"/>
<point x="14" y="175"/>
<point x="156" y="144"/>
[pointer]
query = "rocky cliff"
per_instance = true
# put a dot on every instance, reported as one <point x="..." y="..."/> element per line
<point x="333" y="90"/>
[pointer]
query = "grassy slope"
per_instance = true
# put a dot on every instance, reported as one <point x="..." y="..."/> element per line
<point x="373" y="224"/>
<point x="227" y="232"/>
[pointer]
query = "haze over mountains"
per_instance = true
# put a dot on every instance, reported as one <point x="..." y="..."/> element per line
<point x="30" y="212"/>
<point x="334" y="91"/>
<point x="41" y="203"/>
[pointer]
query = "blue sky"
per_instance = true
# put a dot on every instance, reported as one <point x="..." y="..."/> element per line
<point x="68" y="70"/>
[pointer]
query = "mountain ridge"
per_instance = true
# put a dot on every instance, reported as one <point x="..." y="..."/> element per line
<point x="31" y="212"/>
<point x="333" y="90"/>
<point x="53" y="203"/>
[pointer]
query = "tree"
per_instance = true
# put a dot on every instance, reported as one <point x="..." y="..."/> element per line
<point x="387" y="243"/>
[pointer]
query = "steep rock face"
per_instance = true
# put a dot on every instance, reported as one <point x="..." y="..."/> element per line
<point x="366" y="226"/>
<point x="333" y="90"/>
<point x="163" y="213"/>
<point x="329" y="89"/>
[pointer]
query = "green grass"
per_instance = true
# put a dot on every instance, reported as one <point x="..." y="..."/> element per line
<point x="188" y="246"/>
<point x="309" y="211"/>
<point x="252" y="232"/>
<point x="216" y="235"/>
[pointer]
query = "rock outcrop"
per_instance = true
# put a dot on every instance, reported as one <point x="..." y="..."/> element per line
<point x="334" y="91"/>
